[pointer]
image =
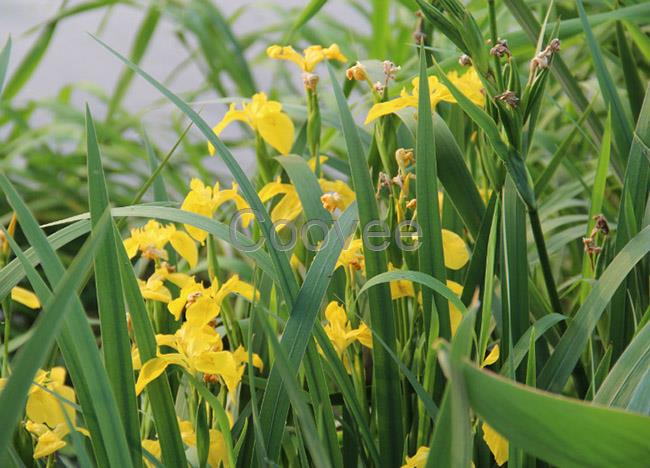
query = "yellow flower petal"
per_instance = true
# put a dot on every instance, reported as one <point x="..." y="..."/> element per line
<point x="276" y="128"/>
<point x="150" y="371"/>
<point x="497" y="444"/>
<point x="455" y="249"/>
<point x="232" y="115"/>
<point x="492" y="357"/>
<point x="25" y="297"/>
<point x="419" y="460"/>
<point x="455" y="315"/>
<point x="286" y="53"/>
<point x="384" y="108"/>
<point x="185" y="246"/>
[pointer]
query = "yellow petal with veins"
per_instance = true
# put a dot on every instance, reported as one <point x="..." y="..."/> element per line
<point x="276" y="128"/>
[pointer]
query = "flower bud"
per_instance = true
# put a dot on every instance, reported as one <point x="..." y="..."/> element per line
<point x="356" y="72"/>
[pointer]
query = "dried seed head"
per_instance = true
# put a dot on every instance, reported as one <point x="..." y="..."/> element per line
<point x="390" y="70"/>
<point x="509" y="98"/>
<point x="465" y="60"/>
<point x="356" y="72"/>
<point x="543" y="59"/>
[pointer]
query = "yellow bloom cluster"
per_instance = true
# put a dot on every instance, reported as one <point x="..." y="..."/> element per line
<point x="265" y="117"/>
<point x="49" y="403"/>
<point x="198" y="346"/>
<point x="205" y="200"/>
<point x="152" y="238"/>
<point x="216" y="449"/>
<point x="311" y="56"/>
<point x="469" y="84"/>
<point x="340" y="331"/>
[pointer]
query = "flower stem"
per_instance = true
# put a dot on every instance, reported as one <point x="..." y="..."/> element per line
<point x="6" y="309"/>
<point x="544" y="261"/>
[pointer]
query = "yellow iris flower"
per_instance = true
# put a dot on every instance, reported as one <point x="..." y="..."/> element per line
<point x="469" y="84"/>
<point x="352" y="256"/>
<point x="205" y="200"/>
<point x="199" y="349"/>
<point x="25" y="297"/>
<point x="47" y="408"/>
<point x="341" y="333"/>
<point x="265" y="117"/>
<point x="419" y="460"/>
<point x="289" y="207"/>
<point x="497" y="444"/>
<point x="311" y="56"/>
<point x="152" y="238"/>
<point x="216" y="448"/>
<point x="203" y="304"/>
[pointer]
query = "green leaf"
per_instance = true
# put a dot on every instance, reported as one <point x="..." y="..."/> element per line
<point x="283" y="276"/>
<point x="511" y="158"/>
<point x="635" y="90"/>
<point x="4" y="61"/>
<point x="520" y="349"/>
<point x="139" y="47"/>
<point x="79" y="349"/>
<point x="34" y="352"/>
<point x="14" y="271"/>
<point x="298" y="330"/>
<point x="628" y="374"/>
<point x="631" y="212"/>
<point x="557" y="370"/>
<point x="217" y="229"/>
<point x="382" y="321"/>
<point x="561" y="431"/>
<point x="430" y="252"/>
<point x="159" y="390"/>
<point x="116" y="345"/>
<point x="286" y="369"/>
<point x="30" y="62"/>
<point x="621" y="127"/>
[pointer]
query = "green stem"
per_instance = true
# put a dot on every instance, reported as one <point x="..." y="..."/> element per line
<point x="495" y="38"/>
<point x="6" y="307"/>
<point x="545" y="261"/>
<point x="264" y="165"/>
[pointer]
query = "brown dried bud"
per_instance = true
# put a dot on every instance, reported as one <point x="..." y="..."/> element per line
<point x="310" y="80"/>
<point x="509" y="98"/>
<point x="543" y="59"/>
<point x="356" y="72"/>
<point x="210" y="378"/>
<point x="465" y="60"/>
<point x="404" y="157"/>
<point x="501" y="49"/>
<point x="601" y="225"/>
